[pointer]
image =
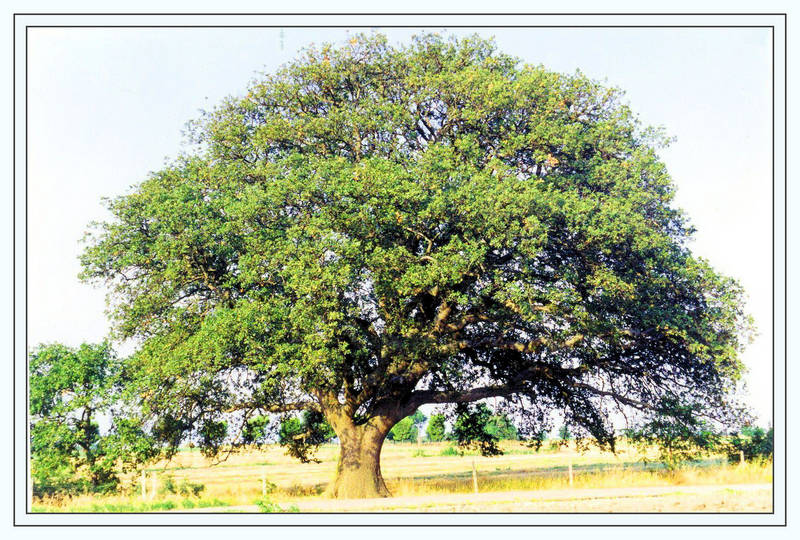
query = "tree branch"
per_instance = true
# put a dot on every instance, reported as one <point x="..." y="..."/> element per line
<point x="277" y="408"/>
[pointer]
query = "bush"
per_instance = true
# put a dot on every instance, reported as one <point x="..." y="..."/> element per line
<point x="185" y="488"/>
<point x="266" y="505"/>
<point x="450" y="451"/>
<point x="302" y="490"/>
<point x="677" y="432"/>
<point x="754" y="443"/>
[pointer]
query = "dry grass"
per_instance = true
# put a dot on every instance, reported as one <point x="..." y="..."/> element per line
<point x="413" y="470"/>
<point x="628" y="475"/>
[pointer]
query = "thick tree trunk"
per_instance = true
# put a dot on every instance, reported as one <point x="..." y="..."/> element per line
<point x="358" y="475"/>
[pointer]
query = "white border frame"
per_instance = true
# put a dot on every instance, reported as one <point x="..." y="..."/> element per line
<point x="21" y="517"/>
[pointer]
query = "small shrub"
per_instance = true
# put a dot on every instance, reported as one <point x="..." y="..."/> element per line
<point x="419" y="452"/>
<point x="210" y="503"/>
<point x="163" y="505"/>
<point x="268" y="487"/>
<point x="754" y="443"/>
<point x="678" y="433"/>
<point x="185" y="488"/>
<point x="266" y="506"/>
<point x="167" y="486"/>
<point x="300" y="490"/>
<point x="450" y="451"/>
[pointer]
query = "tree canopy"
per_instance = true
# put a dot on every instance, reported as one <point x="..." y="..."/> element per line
<point x="436" y="430"/>
<point x="70" y="389"/>
<point x="376" y="227"/>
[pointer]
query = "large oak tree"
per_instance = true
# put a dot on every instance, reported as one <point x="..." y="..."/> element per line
<point x="374" y="228"/>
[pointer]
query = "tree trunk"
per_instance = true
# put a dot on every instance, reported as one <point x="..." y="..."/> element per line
<point x="358" y="474"/>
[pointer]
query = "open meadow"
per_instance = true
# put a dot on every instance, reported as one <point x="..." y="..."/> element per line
<point x="430" y="477"/>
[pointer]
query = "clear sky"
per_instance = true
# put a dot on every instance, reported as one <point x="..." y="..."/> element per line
<point x="108" y="106"/>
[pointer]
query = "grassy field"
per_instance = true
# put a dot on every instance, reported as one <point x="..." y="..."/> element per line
<point x="425" y="478"/>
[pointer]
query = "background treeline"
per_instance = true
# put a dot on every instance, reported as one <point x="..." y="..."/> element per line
<point x="75" y="390"/>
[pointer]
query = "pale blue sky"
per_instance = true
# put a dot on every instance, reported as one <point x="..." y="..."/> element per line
<point x="108" y="106"/>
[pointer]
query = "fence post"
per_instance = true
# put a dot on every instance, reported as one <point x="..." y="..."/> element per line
<point x="263" y="484"/>
<point x="570" y="472"/>
<point x="474" y="476"/>
<point x="153" y="487"/>
<point x="144" y="485"/>
<point x="741" y="457"/>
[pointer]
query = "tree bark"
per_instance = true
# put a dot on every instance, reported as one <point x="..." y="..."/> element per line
<point x="358" y="474"/>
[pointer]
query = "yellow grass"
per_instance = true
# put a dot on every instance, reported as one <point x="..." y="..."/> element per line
<point x="414" y="470"/>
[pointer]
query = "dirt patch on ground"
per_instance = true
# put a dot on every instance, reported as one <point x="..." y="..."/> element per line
<point x="707" y="498"/>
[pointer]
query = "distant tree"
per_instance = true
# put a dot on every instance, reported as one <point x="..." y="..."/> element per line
<point x="470" y="429"/>
<point x="418" y="418"/>
<point x="407" y="430"/>
<point x="436" y="428"/>
<point x="753" y="442"/>
<point x="502" y="427"/>
<point x="374" y="228"/>
<point x="677" y="432"/>
<point x="404" y="431"/>
<point x="70" y="388"/>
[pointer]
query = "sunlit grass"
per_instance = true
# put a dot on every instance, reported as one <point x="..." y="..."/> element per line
<point x="409" y="469"/>
<point x="95" y="504"/>
<point x="632" y="475"/>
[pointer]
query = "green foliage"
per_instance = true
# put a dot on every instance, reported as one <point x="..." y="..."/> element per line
<point x="256" y="429"/>
<point x="69" y="388"/>
<point x="128" y="445"/>
<point x="269" y="487"/>
<point x="402" y="225"/>
<point x="470" y="430"/>
<point x="407" y="429"/>
<point x="153" y="506"/>
<point x="212" y="435"/>
<point x="266" y="506"/>
<point x="563" y="438"/>
<point x="501" y="426"/>
<point x="753" y="442"/>
<point x="535" y="439"/>
<point x="404" y="431"/>
<point x="302" y="436"/>
<point x="450" y="451"/>
<point x="677" y="432"/>
<point x="436" y="428"/>
<point x="184" y="487"/>
<point x="418" y="417"/>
